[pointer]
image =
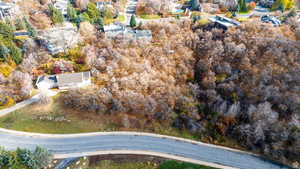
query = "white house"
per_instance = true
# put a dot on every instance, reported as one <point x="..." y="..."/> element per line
<point x="64" y="81"/>
<point x="8" y="10"/>
<point x="62" y="5"/>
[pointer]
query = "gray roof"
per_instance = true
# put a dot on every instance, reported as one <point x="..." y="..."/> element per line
<point x="72" y="78"/>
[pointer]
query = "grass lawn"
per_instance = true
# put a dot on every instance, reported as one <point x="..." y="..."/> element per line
<point x="56" y="119"/>
<point x="130" y="163"/>
<point x="107" y="21"/>
<point x="149" y="16"/>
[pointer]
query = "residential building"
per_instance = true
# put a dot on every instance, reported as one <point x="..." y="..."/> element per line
<point x="224" y="22"/>
<point x="8" y="10"/>
<point x="101" y="5"/>
<point x="62" y="5"/>
<point x="59" y="39"/>
<point x="118" y="30"/>
<point x="64" y="81"/>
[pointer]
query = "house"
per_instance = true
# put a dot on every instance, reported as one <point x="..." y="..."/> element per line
<point x="116" y="30"/>
<point x="102" y="4"/>
<point x="62" y="5"/>
<point x="7" y="10"/>
<point x="64" y="81"/>
<point x="59" y="39"/>
<point x="223" y="22"/>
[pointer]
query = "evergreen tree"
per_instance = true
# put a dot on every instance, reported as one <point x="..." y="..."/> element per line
<point x="56" y="15"/>
<point x="132" y="21"/>
<point x="6" y="31"/>
<point x="4" y="52"/>
<point x="16" y="54"/>
<point x="32" y="31"/>
<point x="99" y="24"/>
<point x="195" y="5"/>
<point x="20" y="25"/>
<point x="72" y="13"/>
<point x="243" y="6"/>
<point x="92" y="11"/>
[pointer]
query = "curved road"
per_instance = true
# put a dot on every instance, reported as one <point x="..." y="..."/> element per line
<point x="74" y="145"/>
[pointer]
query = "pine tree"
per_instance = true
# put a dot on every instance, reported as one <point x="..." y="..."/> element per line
<point x="16" y="54"/>
<point x="20" y="25"/>
<point x="4" y="52"/>
<point x="243" y="6"/>
<point x="71" y="13"/>
<point x="195" y="4"/>
<point x="30" y="28"/>
<point x="56" y="15"/>
<point x="92" y="11"/>
<point x="132" y="21"/>
<point x="99" y="24"/>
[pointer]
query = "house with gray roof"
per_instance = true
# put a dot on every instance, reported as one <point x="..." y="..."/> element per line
<point x="64" y="81"/>
<point x="224" y="22"/>
<point x="8" y="10"/>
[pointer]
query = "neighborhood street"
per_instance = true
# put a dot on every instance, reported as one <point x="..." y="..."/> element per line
<point x="74" y="145"/>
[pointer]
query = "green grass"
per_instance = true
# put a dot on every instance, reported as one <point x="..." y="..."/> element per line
<point x="106" y="164"/>
<point x="181" y="165"/>
<point x="145" y="16"/>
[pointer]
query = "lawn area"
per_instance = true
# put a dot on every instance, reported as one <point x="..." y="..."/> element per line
<point x="56" y="119"/>
<point x="132" y="163"/>
<point x="107" y="21"/>
<point x="149" y="16"/>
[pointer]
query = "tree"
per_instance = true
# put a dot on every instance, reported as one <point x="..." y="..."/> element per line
<point x="132" y="21"/>
<point x="6" y="31"/>
<point x="195" y="5"/>
<point x="71" y="13"/>
<point x="99" y="24"/>
<point x="92" y="11"/>
<point x="243" y="6"/>
<point x="30" y="28"/>
<point x="16" y="54"/>
<point x="4" y="52"/>
<point x="56" y="15"/>
<point x="82" y="4"/>
<point x="20" y="25"/>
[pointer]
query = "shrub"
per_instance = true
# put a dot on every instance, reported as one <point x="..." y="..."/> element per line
<point x="92" y="11"/>
<point x="6" y="31"/>
<point x="283" y="5"/>
<point x="6" y="101"/>
<point x="16" y="54"/>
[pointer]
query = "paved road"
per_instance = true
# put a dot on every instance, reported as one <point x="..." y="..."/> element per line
<point x="66" y="146"/>
<point x="130" y="10"/>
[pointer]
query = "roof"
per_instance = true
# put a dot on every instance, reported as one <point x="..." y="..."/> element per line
<point x="224" y="21"/>
<point x="4" y="5"/>
<point x="71" y="78"/>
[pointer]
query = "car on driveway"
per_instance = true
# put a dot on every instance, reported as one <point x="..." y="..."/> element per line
<point x="271" y="19"/>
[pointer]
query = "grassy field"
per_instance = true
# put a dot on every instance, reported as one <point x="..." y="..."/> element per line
<point x="150" y="16"/>
<point x="85" y="163"/>
<point x="56" y="119"/>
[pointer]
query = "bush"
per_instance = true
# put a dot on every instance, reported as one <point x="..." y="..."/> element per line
<point x="16" y="54"/>
<point x="251" y="6"/>
<point x="25" y="159"/>
<point x="6" y="101"/>
<point x="283" y="5"/>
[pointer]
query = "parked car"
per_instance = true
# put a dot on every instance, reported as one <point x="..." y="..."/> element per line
<point x="271" y="19"/>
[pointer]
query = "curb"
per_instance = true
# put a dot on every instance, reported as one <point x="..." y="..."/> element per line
<point x="136" y="152"/>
